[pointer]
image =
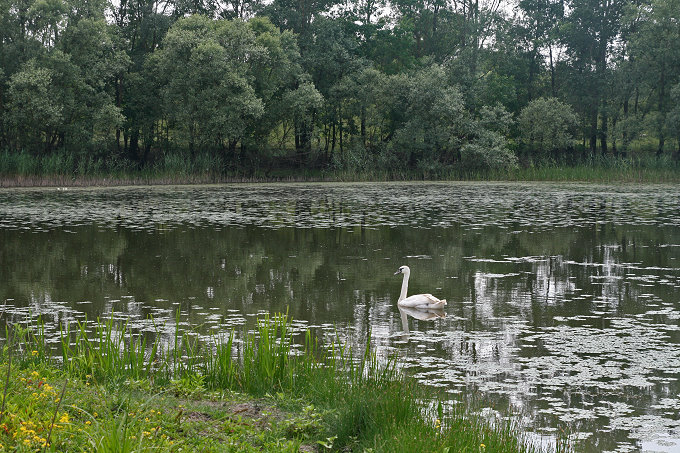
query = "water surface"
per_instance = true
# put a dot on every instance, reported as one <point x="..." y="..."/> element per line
<point x="563" y="299"/>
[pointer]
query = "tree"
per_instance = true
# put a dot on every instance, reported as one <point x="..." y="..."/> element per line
<point x="296" y="15"/>
<point x="588" y="33"/>
<point x="433" y="124"/>
<point x="204" y="68"/>
<point x="303" y="103"/>
<point x="540" y="21"/>
<point x="546" y="125"/>
<point x="70" y="83"/>
<point x="277" y="72"/>
<point x="361" y="93"/>
<point x="140" y="28"/>
<point x="34" y="111"/>
<point x="327" y="56"/>
<point x="673" y="118"/>
<point x="84" y="65"/>
<point x="487" y="147"/>
<point x="655" y="49"/>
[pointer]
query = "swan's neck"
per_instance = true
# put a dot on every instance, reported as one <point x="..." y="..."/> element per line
<point x="404" y="287"/>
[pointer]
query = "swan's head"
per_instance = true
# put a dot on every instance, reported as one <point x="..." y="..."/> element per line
<point x="403" y="270"/>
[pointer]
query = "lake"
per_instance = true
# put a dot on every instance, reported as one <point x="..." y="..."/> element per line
<point x="563" y="299"/>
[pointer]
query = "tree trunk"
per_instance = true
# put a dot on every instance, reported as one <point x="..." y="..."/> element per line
<point x="593" y="130"/>
<point x="614" y="150"/>
<point x="119" y="100"/>
<point x="552" y="74"/>
<point x="333" y="139"/>
<point x="147" y="151"/>
<point x="662" y="108"/>
<point x="603" y="132"/>
<point x="363" y="125"/>
<point x="133" y="152"/>
<point x="435" y="16"/>
<point x="301" y="139"/>
<point x="624" y="140"/>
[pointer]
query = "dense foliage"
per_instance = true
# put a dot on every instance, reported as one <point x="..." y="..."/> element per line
<point x="247" y="85"/>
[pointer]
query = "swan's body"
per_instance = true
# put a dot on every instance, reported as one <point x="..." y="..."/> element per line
<point x="420" y="301"/>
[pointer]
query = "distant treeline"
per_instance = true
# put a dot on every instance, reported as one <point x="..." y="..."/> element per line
<point x="320" y="84"/>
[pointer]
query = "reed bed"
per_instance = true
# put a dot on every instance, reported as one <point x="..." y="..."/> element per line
<point x="66" y="170"/>
<point x="359" y="403"/>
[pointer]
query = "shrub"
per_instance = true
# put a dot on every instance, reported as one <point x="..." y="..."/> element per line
<point x="488" y="152"/>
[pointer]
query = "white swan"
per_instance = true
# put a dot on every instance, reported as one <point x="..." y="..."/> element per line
<point x="418" y="300"/>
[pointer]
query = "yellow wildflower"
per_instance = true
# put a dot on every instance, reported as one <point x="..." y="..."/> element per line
<point x="87" y="422"/>
<point x="64" y="418"/>
<point x="34" y="353"/>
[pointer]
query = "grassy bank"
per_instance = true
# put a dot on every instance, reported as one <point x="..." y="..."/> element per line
<point x="63" y="170"/>
<point x="113" y="391"/>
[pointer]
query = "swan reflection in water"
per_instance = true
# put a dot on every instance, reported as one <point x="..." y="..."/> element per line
<point x="422" y="314"/>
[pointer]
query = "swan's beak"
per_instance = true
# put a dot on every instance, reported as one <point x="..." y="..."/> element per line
<point x="398" y="272"/>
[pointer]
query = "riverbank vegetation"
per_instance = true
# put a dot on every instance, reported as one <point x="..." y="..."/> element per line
<point x="166" y="90"/>
<point x="112" y="390"/>
<point x="25" y="170"/>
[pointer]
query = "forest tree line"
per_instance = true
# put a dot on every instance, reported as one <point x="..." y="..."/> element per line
<point x="409" y="84"/>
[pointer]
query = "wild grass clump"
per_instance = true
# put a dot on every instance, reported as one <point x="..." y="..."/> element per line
<point x="361" y="403"/>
